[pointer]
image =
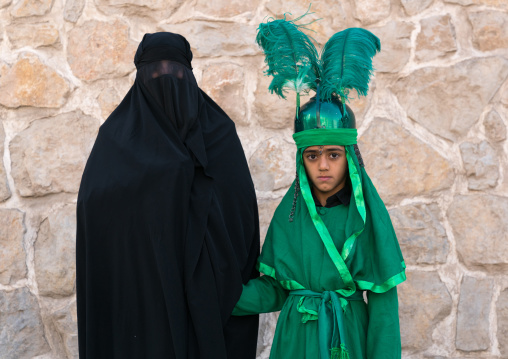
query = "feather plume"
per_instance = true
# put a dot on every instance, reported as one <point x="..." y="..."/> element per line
<point x="347" y="63"/>
<point x="291" y="56"/>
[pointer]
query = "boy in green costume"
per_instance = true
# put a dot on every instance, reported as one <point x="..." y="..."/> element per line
<point x="331" y="237"/>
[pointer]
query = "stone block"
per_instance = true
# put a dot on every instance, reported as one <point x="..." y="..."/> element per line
<point x="98" y="50"/>
<point x="12" y="254"/>
<point x="369" y="12"/>
<point x="24" y="8"/>
<point x="421" y="235"/>
<point x="271" y="111"/>
<point x="150" y="4"/>
<point x="490" y="30"/>
<point x="49" y="156"/>
<point x="400" y="165"/>
<point x="108" y="101"/>
<point x="395" y="39"/>
<point x="413" y="7"/>
<point x="267" y="324"/>
<point x="481" y="230"/>
<point x="495" y="129"/>
<point x="271" y="166"/>
<point x="73" y="9"/>
<point x="22" y="330"/>
<point x="502" y="322"/>
<point x="424" y="301"/>
<point x="5" y="3"/>
<point x="224" y="83"/>
<point x="222" y="38"/>
<point x="333" y="16"/>
<point x="66" y="323"/>
<point x="34" y="35"/>
<point x="55" y="259"/>
<point x="5" y="192"/>
<point x="266" y="209"/>
<point x="436" y="38"/>
<point x="473" y="314"/>
<point x="448" y="101"/>
<point x="500" y="4"/>
<point x="225" y="8"/>
<point x="31" y="83"/>
<point x="481" y="165"/>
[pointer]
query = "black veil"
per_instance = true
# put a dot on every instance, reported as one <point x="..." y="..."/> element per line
<point x="167" y="222"/>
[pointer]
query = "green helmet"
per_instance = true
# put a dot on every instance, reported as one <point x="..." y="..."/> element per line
<point x="328" y="114"/>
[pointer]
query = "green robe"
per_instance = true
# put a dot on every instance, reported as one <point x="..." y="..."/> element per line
<point x="318" y="261"/>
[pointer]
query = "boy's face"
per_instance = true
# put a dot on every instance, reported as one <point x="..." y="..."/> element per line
<point x="326" y="168"/>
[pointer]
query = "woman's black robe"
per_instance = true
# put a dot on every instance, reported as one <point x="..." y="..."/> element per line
<point x="167" y="222"/>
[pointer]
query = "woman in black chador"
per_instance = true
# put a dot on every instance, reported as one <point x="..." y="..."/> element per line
<point x="167" y="221"/>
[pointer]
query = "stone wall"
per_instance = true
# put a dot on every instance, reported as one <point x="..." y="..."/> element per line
<point x="433" y="136"/>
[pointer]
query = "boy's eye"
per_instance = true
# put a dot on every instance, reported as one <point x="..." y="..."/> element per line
<point x="334" y="155"/>
<point x="311" y="157"/>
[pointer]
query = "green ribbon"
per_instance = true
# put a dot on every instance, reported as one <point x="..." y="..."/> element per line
<point x="332" y="333"/>
<point x="325" y="136"/>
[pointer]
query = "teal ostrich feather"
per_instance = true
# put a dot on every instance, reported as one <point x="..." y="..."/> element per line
<point x="291" y="56"/>
<point x="347" y="63"/>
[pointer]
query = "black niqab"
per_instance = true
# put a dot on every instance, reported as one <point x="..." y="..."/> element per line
<point x="167" y="227"/>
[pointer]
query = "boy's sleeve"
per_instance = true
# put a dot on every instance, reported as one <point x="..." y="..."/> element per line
<point x="383" y="336"/>
<point x="261" y="295"/>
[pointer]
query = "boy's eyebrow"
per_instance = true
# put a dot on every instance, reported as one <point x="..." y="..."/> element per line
<point x="333" y="149"/>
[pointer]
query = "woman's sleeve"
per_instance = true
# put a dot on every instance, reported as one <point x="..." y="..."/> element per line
<point x="383" y="336"/>
<point x="261" y="295"/>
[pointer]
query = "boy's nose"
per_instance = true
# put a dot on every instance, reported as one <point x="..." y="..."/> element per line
<point x="323" y="163"/>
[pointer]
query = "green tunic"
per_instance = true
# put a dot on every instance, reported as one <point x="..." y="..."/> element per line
<point x="340" y="251"/>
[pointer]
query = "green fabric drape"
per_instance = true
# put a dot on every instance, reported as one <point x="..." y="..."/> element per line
<point x="344" y="250"/>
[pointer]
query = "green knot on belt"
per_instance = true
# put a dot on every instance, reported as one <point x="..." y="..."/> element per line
<point x="330" y="317"/>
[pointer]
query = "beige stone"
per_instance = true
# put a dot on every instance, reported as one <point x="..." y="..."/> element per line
<point x="224" y="83"/>
<point x="100" y="50"/>
<point x="31" y="83"/>
<point x="5" y="3"/>
<point x="270" y="165"/>
<point x="5" y="192"/>
<point x="34" y="35"/>
<point x="12" y="254"/>
<point x="324" y="19"/>
<point x="413" y="7"/>
<point x="24" y="8"/>
<point x="481" y="165"/>
<point x="267" y="325"/>
<point x="473" y="314"/>
<point x="502" y="322"/>
<point x="395" y="39"/>
<point x="400" y="165"/>
<point x="481" y="230"/>
<point x="108" y="100"/>
<point x="424" y="301"/>
<point x="73" y="9"/>
<point x="222" y="38"/>
<point x="421" y="235"/>
<point x="369" y="12"/>
<point x="436" y="38"/>
<point x="448" y="101"/>
<point x="65" y="320"/>
<point x="22" y="333"/>
<point x="266" y="209"/>
<point x="271" y="111"/>
<point x="55" y="262"/>
<point x="490" y="30"/>
<point x="500" y="4"/>
<point x="49" y="156"/>
<point x="151" y="4"/>
<point x="495" y="129"/>
<point x="225" y="8"/>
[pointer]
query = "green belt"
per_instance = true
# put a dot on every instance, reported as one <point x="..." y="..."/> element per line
<point x="332" y="335"/>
